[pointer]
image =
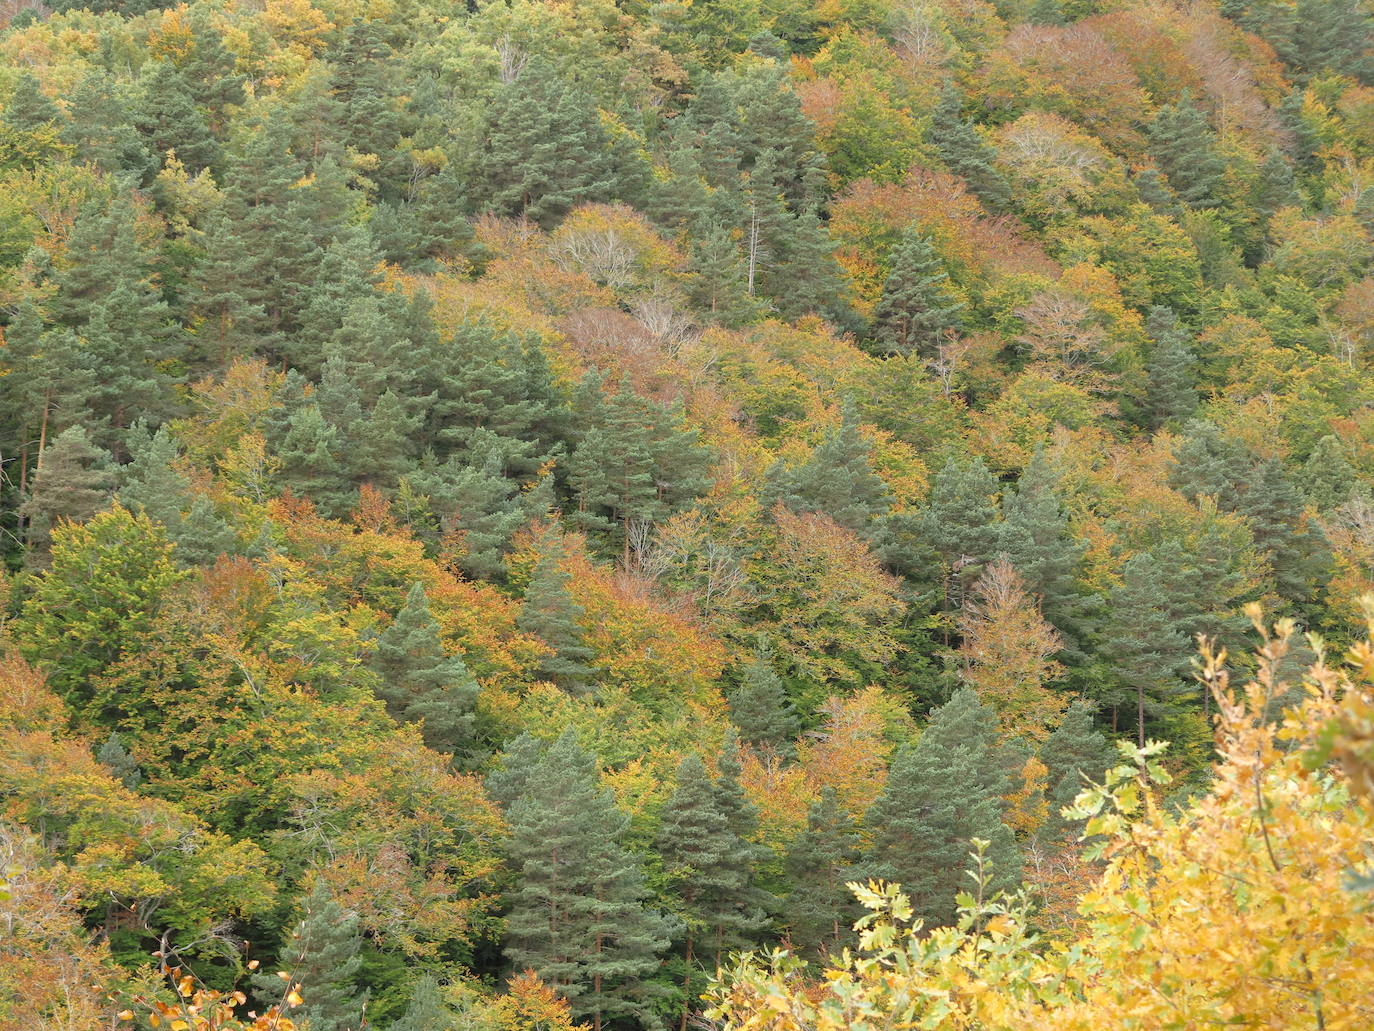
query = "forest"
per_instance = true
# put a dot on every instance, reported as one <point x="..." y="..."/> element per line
<point x="649" y="515"/>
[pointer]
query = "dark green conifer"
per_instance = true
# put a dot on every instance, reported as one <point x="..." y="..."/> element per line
<point x="74" y="480"/>
<point x="959" y="524"/>
<point x="761" y="710"/>
<point x="1327" y="478"/>
<point x="1185" y="147"/>
<point x="421" y="682"/>
<point x="579" y="916"/>
<point x="1144" y="641"/>
<point x="1171" y="394"/>
<point x="966" y="154"/>
<point x="116" y="758"/>
<point x="1035" y="537"/>
<point x="820" y="910"/>
<point x="941" y="793"/>
<point x="425" y="1010"/>
<point x="510" y="779"/>
<point x="550" y="613"/>
<point x="837" y="480"/>
<point x="1076" y="753"/>
<point x="167" y="116"/>
<point x="917" y="312"/>
<point x="322" y="957"/>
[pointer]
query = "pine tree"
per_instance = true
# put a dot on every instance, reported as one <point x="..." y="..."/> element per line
<point x="99" y="131"/>
<point x="116" y="758"/>
<point x="1035" y="537"/>
<point x="550" y="613"/>
<point x="545" y="148"/>
<point x="512" y="777"/>
<point x="322" y="957"/>
<point x="167" y="117"/>
<point x="1297" y="548"/>
<point x="710" y="869"/>
<point x="1143" y="640"/>
<point x="420" y="682"/>
<point x="820" y="909"/>
<point x="74" y="480"/>
<point x="940" y="794"/>
<point x="309" y="455"/>
<point x="1184" y="145"/>
<point x="579" y="916"/>
<point x="1332" y="37"/>
<point x="837" y="480"/>
<point x="958" y="524"/>
<point x="1275" y="185"/>
<point x="28" y="107"/>
<point x="1076" y="753"/>
<point x="761" y="710"/>
<point x="1328" y="478"/>
<point x="474" y="505"/>
<point x="425" y="1010"/>
<point x="719" y="283"/>
<point x="1171" y="386"/>
<point x="917" y="312"/>
<point x="966" y="154"/>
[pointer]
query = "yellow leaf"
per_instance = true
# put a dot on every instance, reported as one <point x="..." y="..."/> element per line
<point x="293" y="998"/>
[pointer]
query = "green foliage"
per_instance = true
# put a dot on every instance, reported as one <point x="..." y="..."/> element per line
<point x="917" y="312"/>
<point x="322" y="959"/>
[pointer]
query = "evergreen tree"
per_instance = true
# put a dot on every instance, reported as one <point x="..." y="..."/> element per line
<point x="510" y="779"/>
<point x="1275" y="185"/>
<point x="473" y="505"/>
<point x="917" y="312"/>
<point x="116" y="758"/>
<point x="1331" y="37"/>
<point x="820" y="909"/>
<point x="1036" y="538"/>
<point x="1143" y="640"/>
<point x="719" y="283"/>
<point x="837" y="480"/>
<point x="1208" y="462"/>
<point x="545" y="149"/>
<point x="958" y="524"/>
<point x="965" y="153"/>
<point x="1076" y="753"/>
<point x="321" y="957"/>
<point x="1171" y="387"/>
<point x="167" y="117"/>
<point x="1327" y="478"/>
<point x="940" y="794"/>
<point x="1184" y="145"/>
<point x="761" y="710"/>
<point x="425" y="1010"/>
<point x="710" y="870"/>
<point x="99" y="130"/>
<point x="74" y="480"/>
<point x="578" y="917"/>
<point x="1297" y="548"/>
<point x="420" y="682"/>
<point x="550" y="613"/>
<point x="28" y="107"/>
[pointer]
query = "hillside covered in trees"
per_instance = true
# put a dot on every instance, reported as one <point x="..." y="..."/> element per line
<point x="507" y="506"/>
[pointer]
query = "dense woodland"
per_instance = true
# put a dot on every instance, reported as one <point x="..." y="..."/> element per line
<point x="506" y="506"/>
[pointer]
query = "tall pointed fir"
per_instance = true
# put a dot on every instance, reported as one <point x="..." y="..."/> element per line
<point x="322" y="957"/>
<point x="819" y="909"/>
<point x="579" y="916"/>
<point x="1036" y="538"/>
<point x="1144" y="643"/>
<point x="917" y="311"/>
<point x="1185" y="147"/>
<point x="550" y="613"/>
<point x="1171" y="394"/>
<point x="941" y="793"/>
<point x="1075" y="754"/>
<point x="959" y="525"/>
<point x="837" y="480"/>
<point x="421" y="682"/>
<point x="760" y="709"/>
<point x="966" y="153"/>
<point x="710" y="871"/>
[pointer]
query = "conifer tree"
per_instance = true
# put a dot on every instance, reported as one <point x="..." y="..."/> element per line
<point x="820" y="909"/>
<point x="966" y="154"/>
<point x="1297" y="548"/>
<point x="116" y="758"/>
<point x="1184" y="145"/>
<point x="837" y="480"/>
<point x="1275" y="185"/>
<point x="579" y="917"/>
<point x="941" y="793"/>
<point x="545" y="148"/>
<point x="710" y="868"/>
<point x="1327" y="478"/>
<point x="512" y="777"/>
<point x="28" y="107"/>
<point x="322" y="957"/>
<point x="958" y="524"/>
<point x="421" y="682"/>
<point x="1076" y="753"/>
<point x="1035" y="537"/>
<point x="74" y="480"/>
<point x="425" y="1009"/>
<point x="917" y="312"/>
<point x="475" y="505"/>
<point x="167" y="117"/>
<point x="719" y="283"/>
<point x="550" y="613"/>
<point x="761" y="710"/>
<point x="1143" y="640"/>
<point x="1171" y="388"/>
<point x="99" y="131"/>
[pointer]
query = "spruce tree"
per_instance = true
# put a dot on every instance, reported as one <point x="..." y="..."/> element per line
<point x="116" y="758"/>
<point x="1328" y="478"/>
<point x="167" y="117"/>
<point x="545" y="149"/>
<point x="1171" y="394"/>
<point x="1036" y="538"/>
<point x="579" y="916"/>
<point x="966" y="154"/>
<point x="917" y="312"/>
<point x="1143" y="640"/>
<point x="959" y="524"/>
<point x="74" y="480"/>
<point x="820" y="909"/>
<point x="761" y="710"/>
<point x="511" y="778"/>
<point x="1076" y="753"/>
<point x="322" y="957"/>
<point x="550" y="613"/>
<point x="837" y="480"/>
<point x="425" y="1009"/>
<point x="1184" y="145"/>
<point x="710" y="870"/>
<point x="421" y="682"/>
<point x="941" y="793"/>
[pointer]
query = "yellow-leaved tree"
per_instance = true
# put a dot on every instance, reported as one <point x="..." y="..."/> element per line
<point x="1249" y="908"/>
